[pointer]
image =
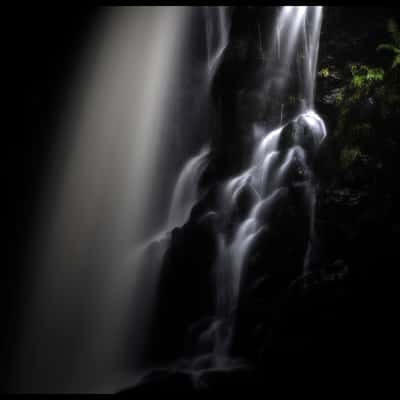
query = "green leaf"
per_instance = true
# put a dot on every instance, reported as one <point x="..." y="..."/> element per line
<point x="324" y="72"/>
<point x="387" y="46"/>
<point x="396" y="61"/>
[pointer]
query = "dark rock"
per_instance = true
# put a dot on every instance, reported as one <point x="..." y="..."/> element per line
<point x="186" y="288"/>
<point x="275" y="259"/>
<point x="305" y="131"/>
<point x="245" y="199"/>
<point x="161" y="382"/>
<point x="273" y="206"/>
<point x="230" y="380"/>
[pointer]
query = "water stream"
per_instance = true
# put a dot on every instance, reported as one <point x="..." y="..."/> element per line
<point x="295" y="43"/>
<point x="77" y="324"/>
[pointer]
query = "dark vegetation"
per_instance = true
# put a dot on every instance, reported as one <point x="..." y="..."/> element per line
<point x="358" y="219"/>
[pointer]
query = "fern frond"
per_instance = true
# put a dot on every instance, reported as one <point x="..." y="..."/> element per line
<point x="387" y="46"/>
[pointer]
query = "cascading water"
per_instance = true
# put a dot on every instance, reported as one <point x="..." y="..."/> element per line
<point x="186" y="188"/>
<point x="286" y="148"/>
<point x="268" y="170"/>
<point x="90" y="278"/>
<point x="268" y="177"/>
<point x="217" y="31"/>
<point x="281" y="160"/>
<point x="185" y="193"/>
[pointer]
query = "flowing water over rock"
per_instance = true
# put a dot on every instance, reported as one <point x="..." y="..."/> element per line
<point x="281" y="164"/>
<point x="279" y="176"/>
<point x="129" y="136"/>
<point x="239" y="223"/>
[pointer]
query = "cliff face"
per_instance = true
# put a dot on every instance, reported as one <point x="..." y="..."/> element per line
<point x="333" y="314"/>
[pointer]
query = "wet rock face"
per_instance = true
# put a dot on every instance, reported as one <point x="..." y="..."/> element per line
<point x="186" y="287"/>
<point x="305" y="131"/>
<point x="187" y="295"/>
<point x="274" y="260"/>
<point x="284" y="319"/>
<point x="238" y="88"/>
<point x="245" y="199"/>
<point x="279" y="312"/>
<point x="230" y="381"/>
<point x="187" y="291"/>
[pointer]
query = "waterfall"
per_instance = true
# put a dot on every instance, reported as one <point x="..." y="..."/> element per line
<point x="186" y="190"/>
<point x="217" y="31"/>
<point x="268" y="173"/>
<point x="99" y="265"/>
<point x="76" y="316"/>
<point x="185" y="193"/>
<point x="276" y="153"/>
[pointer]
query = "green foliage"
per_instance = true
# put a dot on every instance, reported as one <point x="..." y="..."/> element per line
<point x="339" y="96"/>
<point x="394" y="47"/>
<point x="367" y="96"/>
<point x="363" y="83"/>
<point x="362" y="97"/>
<point x="324" y="72"/>
<point x="363" y="76"/>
